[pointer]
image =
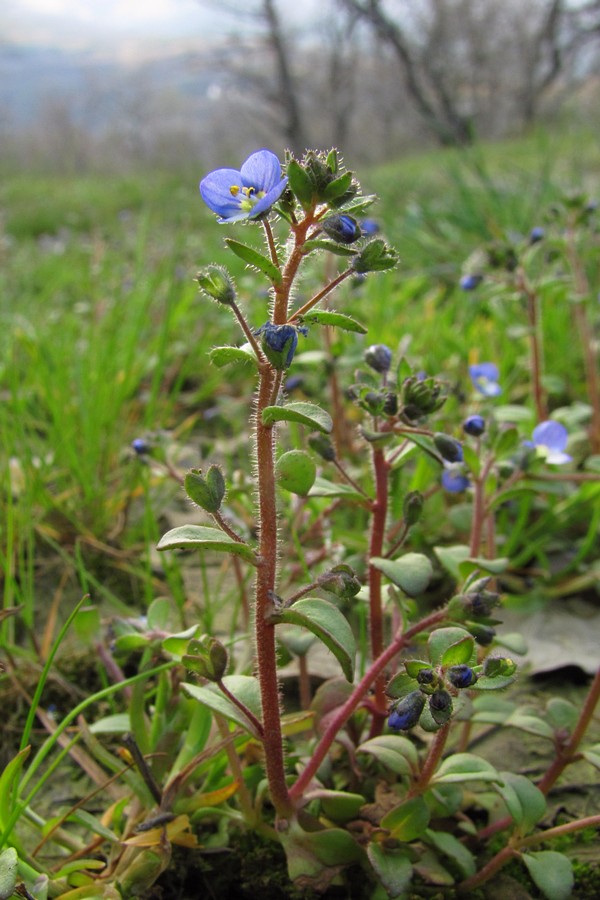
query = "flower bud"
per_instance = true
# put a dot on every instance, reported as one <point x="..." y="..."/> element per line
<point x="374" y="257"/>
<point x="428" y="680"/>
<point x="461" y="676"/>
<point x="412" y="507"/>
<point x="477" y="603"/>
<point x="474" y="425"/>
<point x="450" y="449"/>
<point x="341" y="581"/>
<point x="341" y="228"/>
<point x="483" y="634"/>
<point x="421" y="396"/>
<point x="295" y="471"/>
<point x="378" y="357"/>
<point x="216" y="282"/>
<point x="406" y="712"/>
<point x="207" y="490"/>
<point x="279" y="344"/>
<point x="495" y="666"/>
<point x="536" y="235"/>
<point x="440" y="706"/>
<point x="140" y="447"/>
<point x="207" y="657"/>
<point x="322" y="445"/>
<point x="470" y="282"/>
<point x="390" y="403"/>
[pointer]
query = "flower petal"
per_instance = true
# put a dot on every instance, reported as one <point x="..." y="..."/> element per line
<point x="262" y="170"/>
<point x="551" y="434"/>
<point x="266" y="202"/>
<point x="215" y="189"/>
<point x="487" y="370"/>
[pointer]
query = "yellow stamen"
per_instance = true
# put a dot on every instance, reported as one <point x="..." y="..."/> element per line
<point x="234" y="190"/>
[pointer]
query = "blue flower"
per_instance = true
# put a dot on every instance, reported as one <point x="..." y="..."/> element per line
<point x="470" y="282"/>
<point x="140" y="446"/>
<point x="343" y="229"/>
<point x="550" y="440"/>
<point x="485" y="379"/>
<point x="246" y="194"/>
<point x="454" y="480"/>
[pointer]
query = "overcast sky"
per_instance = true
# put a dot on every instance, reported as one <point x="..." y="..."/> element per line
<point x="79" y="23"/>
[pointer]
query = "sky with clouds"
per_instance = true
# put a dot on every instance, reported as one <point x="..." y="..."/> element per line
<point x="81" y="22"/>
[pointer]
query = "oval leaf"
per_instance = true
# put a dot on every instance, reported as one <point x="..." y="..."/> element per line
<point x="325" y="621"/>
<point x="408" y="820"/>
<point x="394" y="751"/>
<point x="305" y="413"/>
<point x="442" y="639"/>
<point x="411" y="572"/>
<point x="392" y="867"/>
<point x="525" y="802"/>
<point x="465" y="767"/>
<point x="244" y="687"/>
<point x="552" y="873"/>
<point x="228" y="356"/>
<point x="255" y="259"/>
<point x="202" y="537"/>
<point x="335" y="320"/>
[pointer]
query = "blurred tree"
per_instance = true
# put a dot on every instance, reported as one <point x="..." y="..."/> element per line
<point x="464" y="63"/>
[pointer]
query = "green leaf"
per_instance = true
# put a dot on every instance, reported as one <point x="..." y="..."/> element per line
<point x="228" y="356"/>
<point x="392" y="867"/>
<point x="488" y="683"/>
<point x="530" y="724"/>
<point x="300" y="183"/>
<point x="592" y="755"/>
<point x="340" y="806"/>
<point x="552" y="873"/>
<point x="411" y="572"/>
<point x="408" y="820"/>
<point x="163" y="615"/>
<point x="324" y="488"/>
<point x="459" y="653"/>
<point x="335" y="320"/>
<point x="7" y="782"/>
<point x="472" y="460"/>
<point x="244" y="687"/>
<point x="8" y="872"/>
<point x="465" y="767"/>
<point x="451" y="847"/>
<point x="414" y="666"/>
<point x="513" y="414"/>
<point x="475" y="563"/>
<point x="524" y="801"/>
<point x="310" y="854"/>
<point x="330" y="246"/>
<point x="452" y="557"/>
<point x="202" y="537"/>
<point x="442" y="639"/>
<point x="327" y="623"/>
<point x="491" y="710"/>
<point x="394" y="751"/>
<point x="304" y="413"/>
<point x="255" y="259"/>
<point x="513" y="641"/>
<point x="338" y="187"/>
<point x="120" y="723"/>
<point x="402" y="683"/>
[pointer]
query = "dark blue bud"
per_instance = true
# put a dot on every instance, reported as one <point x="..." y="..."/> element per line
<point x="461" y="676"/>
<point x="279" y="344"/>
<point x="470" y="282"/>
<point x="140" y="446"/>
<point x="474" y="425"/>
<point x="343" y="229"/>
<point x="406" y="712"/>
<point x="379" y="357"/>
<point x="536" y="234"/>
<point x="454" y="481"/>
<point x="291" y="384"/>
<point x="450" y="449"/>
<point x="440" y="707"/>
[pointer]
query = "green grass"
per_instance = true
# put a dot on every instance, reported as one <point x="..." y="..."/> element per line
<point x="103" y="336"/>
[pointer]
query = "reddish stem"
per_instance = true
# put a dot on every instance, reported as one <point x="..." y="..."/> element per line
<point x="378" y="521"/>
<point x="360" y="691"/>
